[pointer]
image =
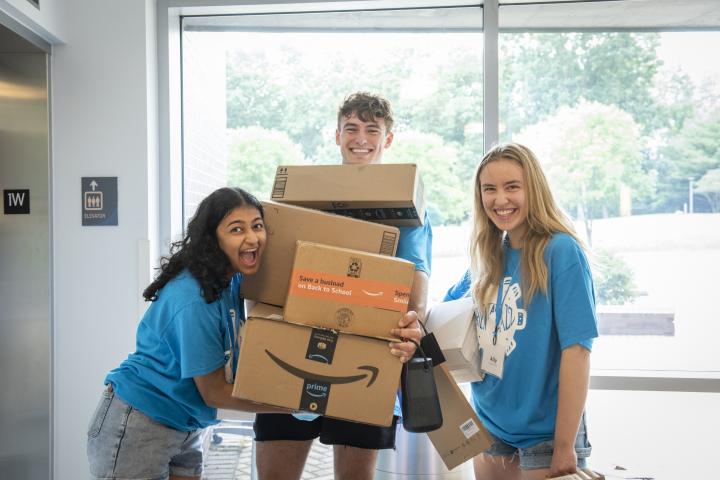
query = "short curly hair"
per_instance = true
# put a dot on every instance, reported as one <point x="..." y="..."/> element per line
<point x="367" y="106"/>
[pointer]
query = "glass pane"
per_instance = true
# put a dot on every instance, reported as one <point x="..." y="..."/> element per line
<point x="627" y="126"/>
<point x="254" y="98"/>
<point x="660" y="435"/>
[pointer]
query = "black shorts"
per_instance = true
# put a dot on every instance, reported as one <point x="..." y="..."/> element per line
<point x="282" y="426"/>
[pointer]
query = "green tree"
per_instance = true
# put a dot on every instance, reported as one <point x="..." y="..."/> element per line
<point x="588" y="152"/>
<point x="691" y="155"/>
<point x="541" y="72"/>
<point x="298" y="95"/>
<point x="437" y="161"/>
<point x="613" y="278"/>
<point x="255" y="153"/>
<point x="453" y="101"/>
<point x="709" y="187"/>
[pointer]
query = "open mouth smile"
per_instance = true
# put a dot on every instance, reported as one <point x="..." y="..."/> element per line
<point x="249" y="257"/>
<point x="504" y="213"/>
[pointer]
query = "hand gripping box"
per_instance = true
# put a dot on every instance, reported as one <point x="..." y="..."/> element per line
<point x="348" y="290"/>
<point x="453" y="324"/>
<point x="391" y="194"/>
<point x="286" y="224"/>
<point x="301" y="368"/>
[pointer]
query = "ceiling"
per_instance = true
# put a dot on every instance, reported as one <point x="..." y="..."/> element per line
<point x="463" y="15"/>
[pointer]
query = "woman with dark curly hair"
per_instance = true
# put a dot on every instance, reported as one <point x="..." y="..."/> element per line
<point x="149" y="421"/>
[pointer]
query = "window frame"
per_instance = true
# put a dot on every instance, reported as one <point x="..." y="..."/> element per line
<point x="169" y="93"/>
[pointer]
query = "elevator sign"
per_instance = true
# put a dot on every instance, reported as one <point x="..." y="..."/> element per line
<point x="99" y="201"/>
<point x="16" y="202"/>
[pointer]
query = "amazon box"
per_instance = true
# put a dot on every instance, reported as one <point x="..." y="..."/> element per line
<point x="388" y="193"/>
<point x="286" y="224"/>
<point x="453" y="324"/>
<point x="348" y="290"/>
<point x="462" y="435"/>
<point x="301" y="368"/>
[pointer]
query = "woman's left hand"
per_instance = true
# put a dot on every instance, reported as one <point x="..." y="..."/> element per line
<point x="564" y="462"/>
<point x="409" y="328"/>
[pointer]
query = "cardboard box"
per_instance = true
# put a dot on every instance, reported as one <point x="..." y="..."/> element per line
<point x="462" y="435"/>
<point x="297" y="367"/>
<point x="347" y="290"/>
<point x="391" y="194"/>
<point x="584" y="474"/>
<point x="453" y="324"/>
<point x="286" y="224"/>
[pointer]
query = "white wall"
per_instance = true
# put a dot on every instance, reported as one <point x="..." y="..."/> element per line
<point x="103" y="106"/>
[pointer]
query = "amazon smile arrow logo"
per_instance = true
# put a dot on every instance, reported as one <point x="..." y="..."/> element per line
<point x="371" y="374"/>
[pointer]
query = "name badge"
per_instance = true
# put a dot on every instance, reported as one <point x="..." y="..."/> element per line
<point x="492" y="357"/>
<point x="492" y="344"/>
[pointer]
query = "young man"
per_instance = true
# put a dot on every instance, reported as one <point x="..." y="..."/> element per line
<point x="363" y="133"/>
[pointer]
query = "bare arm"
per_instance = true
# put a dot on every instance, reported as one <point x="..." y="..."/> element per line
<point x="418" y="294"/>
<point x="573" y="388"/>
<point x="216" y="393"/>
<point x="408" y="327"/>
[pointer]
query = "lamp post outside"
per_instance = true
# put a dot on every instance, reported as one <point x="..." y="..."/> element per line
<point x="690" y="195"/>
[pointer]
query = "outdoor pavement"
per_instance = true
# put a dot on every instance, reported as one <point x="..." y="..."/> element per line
<point x="231" y="459"/>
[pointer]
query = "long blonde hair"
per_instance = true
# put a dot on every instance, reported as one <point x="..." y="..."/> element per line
<point x="544" y="219"/>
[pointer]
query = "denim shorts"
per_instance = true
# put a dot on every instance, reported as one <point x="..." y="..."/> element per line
<point x="124" y="443"/>
<point x="540" y="455"/>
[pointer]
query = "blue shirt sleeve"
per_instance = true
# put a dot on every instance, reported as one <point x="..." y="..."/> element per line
<point x="573" y="294"/>
<point x="460" y="289"/>
<point x="415" y="245"/>
<point x="196" y="338"/>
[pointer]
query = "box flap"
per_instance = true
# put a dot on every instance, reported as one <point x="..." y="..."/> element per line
<point x="462" y="435"/>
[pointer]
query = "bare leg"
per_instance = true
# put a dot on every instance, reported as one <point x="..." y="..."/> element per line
<point x="281" y="459"/>
<point x="352" y="463"/>
<point x="489" y="467"/>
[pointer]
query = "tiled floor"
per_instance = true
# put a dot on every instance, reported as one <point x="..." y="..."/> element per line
<point x="231" y="458"/>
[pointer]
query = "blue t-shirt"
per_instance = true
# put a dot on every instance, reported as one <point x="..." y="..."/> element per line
<point x="521" y="408"/>
<point x="180" y="337"/>
<point x="415" y="245"/>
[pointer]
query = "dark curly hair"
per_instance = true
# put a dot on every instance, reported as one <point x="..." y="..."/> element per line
<point x="367" y="106"/>
<point x="199" y="250"/>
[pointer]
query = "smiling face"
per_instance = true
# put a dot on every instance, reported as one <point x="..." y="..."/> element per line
<point x="241" y="236"/>
<point x="502" y="187"/>
<point x="361" y="142"/>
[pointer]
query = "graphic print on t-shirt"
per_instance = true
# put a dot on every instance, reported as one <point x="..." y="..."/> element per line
<point x="512" y="318"/>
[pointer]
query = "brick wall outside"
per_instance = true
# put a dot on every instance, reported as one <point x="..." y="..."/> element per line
<point x="205" y="159"/>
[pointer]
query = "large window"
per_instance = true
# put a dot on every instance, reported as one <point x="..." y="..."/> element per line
<point x="627" y="126"/>
<point x="623" y="112"/>
<point x="260" y="91"/>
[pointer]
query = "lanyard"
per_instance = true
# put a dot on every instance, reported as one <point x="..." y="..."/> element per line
<point x="499" y="307"/>
<point x="232" y="327"/>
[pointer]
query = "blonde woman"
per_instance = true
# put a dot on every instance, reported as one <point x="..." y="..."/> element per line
<point x="536" y="321"/>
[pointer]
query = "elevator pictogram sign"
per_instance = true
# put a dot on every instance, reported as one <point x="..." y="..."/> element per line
<point x="99" y="201"/>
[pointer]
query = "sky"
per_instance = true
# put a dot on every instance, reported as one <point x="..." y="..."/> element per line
<point x="693" y="52"/>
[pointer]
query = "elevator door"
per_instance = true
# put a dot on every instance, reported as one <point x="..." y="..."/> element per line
<point x="25" y="326"/>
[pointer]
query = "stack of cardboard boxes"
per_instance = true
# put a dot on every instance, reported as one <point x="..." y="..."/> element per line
<point x="329" y="290"/>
